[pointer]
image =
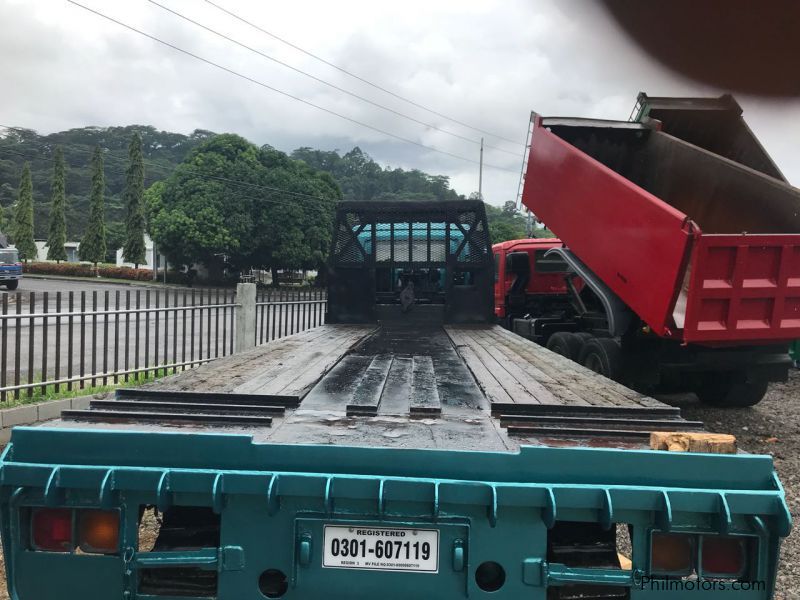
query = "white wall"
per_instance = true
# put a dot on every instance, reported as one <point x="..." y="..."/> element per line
<point x="148" y="256"/>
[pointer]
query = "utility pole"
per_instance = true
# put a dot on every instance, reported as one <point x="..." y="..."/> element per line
<point x="155" y="262"/>
<point x="480" y="174"/>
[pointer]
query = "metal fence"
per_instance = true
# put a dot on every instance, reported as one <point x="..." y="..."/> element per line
<point x="284" y="312"/>
<point x="71" y="340"/>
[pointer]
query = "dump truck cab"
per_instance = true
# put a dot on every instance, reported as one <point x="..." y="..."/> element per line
<point x="407" y="449"/>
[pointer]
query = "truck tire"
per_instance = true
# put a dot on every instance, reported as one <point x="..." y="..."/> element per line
<point x="12" y="285"/>
<point x="566" y="344"/>
<point x="602" y="355"/>
<point x="721" y="391"/>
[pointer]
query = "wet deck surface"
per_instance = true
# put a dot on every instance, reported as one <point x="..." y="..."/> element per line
<point x="457" y="387"/>
<point x="289" y="366"/>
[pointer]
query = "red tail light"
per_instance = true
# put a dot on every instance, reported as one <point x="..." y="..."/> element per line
<point x="724" y="556"/>
<point x="51" y="529"/>
<point x="672" y="554"/>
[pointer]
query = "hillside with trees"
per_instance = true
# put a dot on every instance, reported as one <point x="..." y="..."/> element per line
<point x="162" y="151"/>
<point x="361" y="178"/>
<point x="175" y="167"/>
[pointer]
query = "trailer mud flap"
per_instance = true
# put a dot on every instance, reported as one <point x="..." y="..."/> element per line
<point x="293" y="521"/>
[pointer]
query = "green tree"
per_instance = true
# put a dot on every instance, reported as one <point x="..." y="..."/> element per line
<point x="58" y="225"/>
<point x="22" y="227"/>
<point x="93" y="244"/>
<point x="133" y="250"/>
<point x="277" y="215"/>
<point x="506" y="223"/>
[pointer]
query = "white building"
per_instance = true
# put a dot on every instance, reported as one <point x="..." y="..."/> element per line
<point x="149" y="261"/>
<point x="70" y="247"/>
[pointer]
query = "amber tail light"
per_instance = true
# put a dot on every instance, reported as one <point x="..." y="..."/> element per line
<point x="672" y="554"/>
<point x="98" y="531"/>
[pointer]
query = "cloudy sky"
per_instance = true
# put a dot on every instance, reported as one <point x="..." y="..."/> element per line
<point x="484" y="63"/>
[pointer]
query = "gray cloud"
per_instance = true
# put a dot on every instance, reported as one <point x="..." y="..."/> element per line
<point x="483" y="62"/>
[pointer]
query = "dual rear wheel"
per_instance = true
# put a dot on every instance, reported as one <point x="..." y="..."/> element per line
<point x="601" y="355"/>
<point x="604" y="356"/>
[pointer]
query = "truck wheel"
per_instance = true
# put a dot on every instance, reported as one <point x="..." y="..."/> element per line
<point x="566" y="344"/>
<point x="602" y="355"/>
<point x="719" y="391"/>
<point x="12" y="285"/>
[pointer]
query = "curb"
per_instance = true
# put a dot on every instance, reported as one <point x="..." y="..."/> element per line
<point x="128" y="282"/>
<point x="29" y="414"/>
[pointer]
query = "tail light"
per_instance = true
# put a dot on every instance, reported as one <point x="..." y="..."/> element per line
<point x="98" y="531"/>
<point x="724" y="556"/>
<point x="672" y="554"/>
<point x="51" y="529"/>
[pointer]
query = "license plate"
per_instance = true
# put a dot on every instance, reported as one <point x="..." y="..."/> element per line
<point x="381" y="548"/>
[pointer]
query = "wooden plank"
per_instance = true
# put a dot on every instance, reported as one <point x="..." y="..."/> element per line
<point x="396" y="398"/>
<point x="367" y="395"/>
<point x="493" y="391"/>
<point x="226" y="375"/>
<point x="592" y="387"/>
<point x="562" y="393"/>
<point x="683" y="441"/>
<point x="249" y="372"/>
<point x="306" y="376"/>
<point x="425" y="399"/>
<point x="337" y="387"/>
<point x="290" y="358"/>
<point x="633" y="411"/>
<point x="594" y="421"/>
<point x="515" y="368"/>
<point x="582" y="372"/>
<point x="535" y="367"/>
<point x="510" y="384"/>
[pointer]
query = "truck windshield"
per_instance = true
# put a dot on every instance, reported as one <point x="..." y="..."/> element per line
<point x="8" y="256"/>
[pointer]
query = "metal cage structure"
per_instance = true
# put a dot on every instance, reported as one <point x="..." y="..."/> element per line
<point x="440" y="250"/>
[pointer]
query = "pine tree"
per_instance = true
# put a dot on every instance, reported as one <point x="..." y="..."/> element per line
<point x="93" y="244"/>
<point x="58" y="225"/>
<point x="133" y="251"/>
<point x="22" y="227"/>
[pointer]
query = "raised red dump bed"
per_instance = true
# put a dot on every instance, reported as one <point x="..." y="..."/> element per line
<point x="682" y="214"/>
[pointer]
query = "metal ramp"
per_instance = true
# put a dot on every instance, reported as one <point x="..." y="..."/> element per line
<point x="203" y="408"/>
<point x="590" y="421"/>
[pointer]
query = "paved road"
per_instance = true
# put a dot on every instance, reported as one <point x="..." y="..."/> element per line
<point x="117" y="341"/>
<point x="125" y="341"/>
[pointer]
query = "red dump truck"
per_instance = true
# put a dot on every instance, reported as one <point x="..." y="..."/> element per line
<point x="680" y="239"/>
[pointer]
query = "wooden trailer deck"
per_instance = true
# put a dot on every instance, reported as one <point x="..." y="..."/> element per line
<point x="461" y="387"/>
<point x="512" y="370"/>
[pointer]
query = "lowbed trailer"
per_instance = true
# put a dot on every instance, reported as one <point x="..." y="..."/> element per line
<point x="412" y="455"/>
<point x="686" y="238"/>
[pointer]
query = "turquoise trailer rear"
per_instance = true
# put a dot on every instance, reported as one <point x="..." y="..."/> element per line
<point x="419" y="455"/>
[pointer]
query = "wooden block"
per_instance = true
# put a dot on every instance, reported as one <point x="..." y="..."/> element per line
<point x="678" y="441"/>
